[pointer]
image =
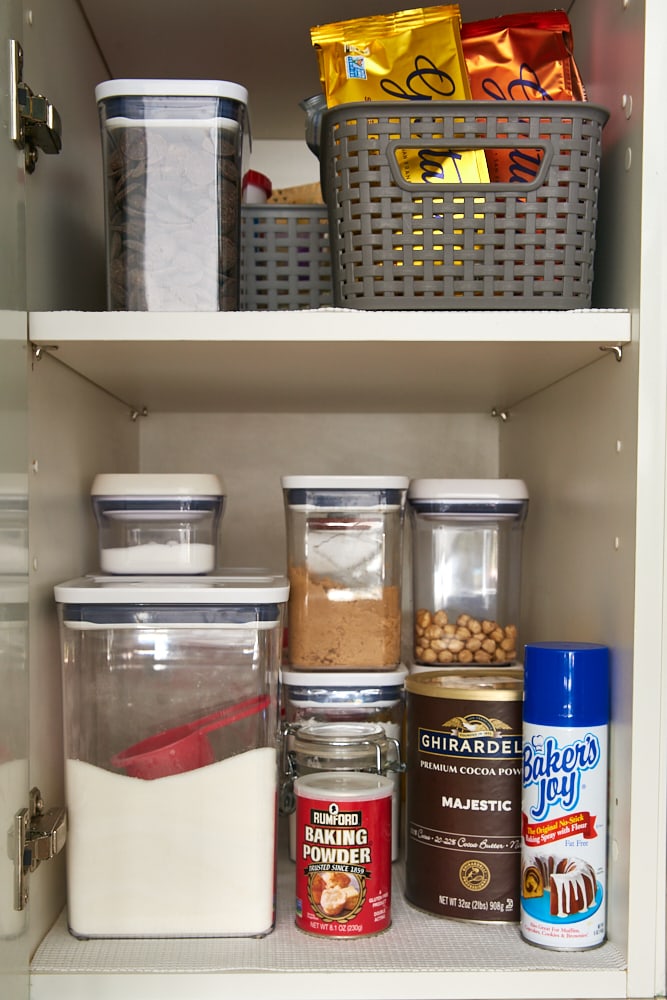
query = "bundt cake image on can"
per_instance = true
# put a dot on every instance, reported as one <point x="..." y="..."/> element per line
<point x="570" y="884"/>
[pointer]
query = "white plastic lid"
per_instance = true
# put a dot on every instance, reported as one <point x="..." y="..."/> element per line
<point x="157" y="484"/>
<point x="171" y="88"/>
<point x="345" y="482"/>
<point x="467" y="489"/>
<point x="343" y="786"/>
<point x="234" y="588"/>
<point x="344" y="679"/>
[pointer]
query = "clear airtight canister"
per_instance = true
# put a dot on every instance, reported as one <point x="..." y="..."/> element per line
<point x="172" y="152"/>
<point x="344" y="555"/>
<point x="171" y="729"/>
<point x="564" y="795"/>
<point x="466" y="569"/>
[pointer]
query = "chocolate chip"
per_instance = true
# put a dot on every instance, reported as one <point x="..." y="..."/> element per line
<point x="173" y="209"/>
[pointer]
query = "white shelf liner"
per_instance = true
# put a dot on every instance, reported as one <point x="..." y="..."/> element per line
<point x="416" y="942"/>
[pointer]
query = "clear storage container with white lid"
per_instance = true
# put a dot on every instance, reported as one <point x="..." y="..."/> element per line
<point x="361" y="698"/>
<point x="171" y="722"/>
<point x="162" y="523"/>
<point x="345" y="696"/>
<point x="466" y="569"/>
<point x="172" y="154"/>
<point x="344" y="557"/>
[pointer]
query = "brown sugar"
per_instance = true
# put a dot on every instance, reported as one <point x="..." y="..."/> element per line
<point x="326" y="632"/>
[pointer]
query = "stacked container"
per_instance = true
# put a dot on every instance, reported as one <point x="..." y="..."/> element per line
<point x="171" y="718"/>
<point x="343" y="669"/>
<point x="466" y="570"/>
<point x="158" y="522"/>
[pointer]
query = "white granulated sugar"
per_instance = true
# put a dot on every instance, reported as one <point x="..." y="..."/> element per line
<point x="153" y="557"/>
<point x="186" y="855"/>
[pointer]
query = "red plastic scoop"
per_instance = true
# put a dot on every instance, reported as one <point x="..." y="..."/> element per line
<point x="183" y="748"/>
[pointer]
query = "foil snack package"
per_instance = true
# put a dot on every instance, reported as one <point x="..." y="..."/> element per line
<point x="411" y="55"/>
<point x="521" y="57"/>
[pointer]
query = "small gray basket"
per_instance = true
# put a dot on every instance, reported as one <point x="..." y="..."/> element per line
<point x="286" y="260"/>
<point x="526" y="244"/>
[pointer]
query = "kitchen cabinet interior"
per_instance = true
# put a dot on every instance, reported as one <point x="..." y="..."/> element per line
<point x="574" y="403"/>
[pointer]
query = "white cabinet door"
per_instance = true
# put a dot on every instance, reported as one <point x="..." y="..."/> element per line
<point x="14" y="773"/>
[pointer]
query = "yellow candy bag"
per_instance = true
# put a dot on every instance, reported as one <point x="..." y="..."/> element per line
<point x="411" y="55"/>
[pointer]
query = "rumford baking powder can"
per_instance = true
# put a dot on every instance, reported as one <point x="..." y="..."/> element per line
<point x="463" y="792"/>
<point x="564" y="797"/>
<point x="343" y="853"/>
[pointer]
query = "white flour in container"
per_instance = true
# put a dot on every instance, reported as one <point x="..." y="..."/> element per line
<point x="155" y="557"/>
<point x="187" y="855"/>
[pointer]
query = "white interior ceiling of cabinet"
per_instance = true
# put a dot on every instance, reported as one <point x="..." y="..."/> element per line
<point x="261" y="45"/>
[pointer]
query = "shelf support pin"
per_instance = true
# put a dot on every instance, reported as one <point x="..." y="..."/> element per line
<point x="616" y="348"/>
<point x="501" y="414"/>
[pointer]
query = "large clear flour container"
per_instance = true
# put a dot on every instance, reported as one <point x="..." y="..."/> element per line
<point x="172" y="153"/>
<point x="171" y="725"/>
<point x="344" y="556"/>
<point x="466" y="569"/>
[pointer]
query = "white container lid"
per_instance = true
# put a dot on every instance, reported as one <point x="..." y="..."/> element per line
<point x="234" y="588"/>
<point x="157" y="484"/>
<point x="345" y="482"/>
<point x="171" y="88"/>
<point x="343" y="786"/>
<point x="467" y="489"/>
<point x="344" y="679"/>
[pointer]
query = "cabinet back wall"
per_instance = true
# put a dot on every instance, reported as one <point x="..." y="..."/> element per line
<point x="252" y="450"/>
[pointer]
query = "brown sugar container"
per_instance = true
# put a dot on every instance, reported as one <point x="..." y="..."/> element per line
<point x="463" y="792"/>
<point x="344" y="556"/>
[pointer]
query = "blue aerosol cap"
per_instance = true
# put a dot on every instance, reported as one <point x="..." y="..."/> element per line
<point x="566" y="684"/>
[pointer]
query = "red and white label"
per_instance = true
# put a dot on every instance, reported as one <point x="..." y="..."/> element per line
<point x="343" y="866"/>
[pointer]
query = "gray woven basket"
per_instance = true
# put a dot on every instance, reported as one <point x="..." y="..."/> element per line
<point x="285" y="257"/>
<point x="433" y="245"/>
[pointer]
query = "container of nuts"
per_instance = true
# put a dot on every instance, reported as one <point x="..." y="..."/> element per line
<point x="172" y="154"/>
<point x="466" y="570"/>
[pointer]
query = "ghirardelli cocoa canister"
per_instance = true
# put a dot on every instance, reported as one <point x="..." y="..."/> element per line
<point x="463" y="792"/>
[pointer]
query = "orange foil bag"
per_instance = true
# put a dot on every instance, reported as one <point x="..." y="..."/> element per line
<point x="411" y="55"/>
<point x="521" y="57"/>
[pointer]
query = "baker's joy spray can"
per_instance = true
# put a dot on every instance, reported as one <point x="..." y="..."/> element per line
<point x="343" y="853"/>
<point x="564" y="795"/>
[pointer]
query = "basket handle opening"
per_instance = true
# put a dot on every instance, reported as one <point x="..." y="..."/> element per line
<point x="434" y="164"/>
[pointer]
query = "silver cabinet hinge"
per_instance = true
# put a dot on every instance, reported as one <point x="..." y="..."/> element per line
<point x="38" y="836"/>
<point x="34" y="122"/>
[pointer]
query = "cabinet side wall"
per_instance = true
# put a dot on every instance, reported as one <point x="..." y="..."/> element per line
<point x="575" y="446"/>
<point x="65" y="207"/>
<point x="75" y="432"/>
<point x="609" y="48"/>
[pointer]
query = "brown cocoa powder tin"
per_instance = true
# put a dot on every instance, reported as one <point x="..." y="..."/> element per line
<point x="463" y="792"/>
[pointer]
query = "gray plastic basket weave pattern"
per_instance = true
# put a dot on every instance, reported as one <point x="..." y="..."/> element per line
<point x="286" y="260"/>
<point x="434" y="245"/>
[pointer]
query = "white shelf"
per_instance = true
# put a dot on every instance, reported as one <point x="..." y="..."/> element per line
<point x="328" y="360"/>
<point x="419" y="956"/>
